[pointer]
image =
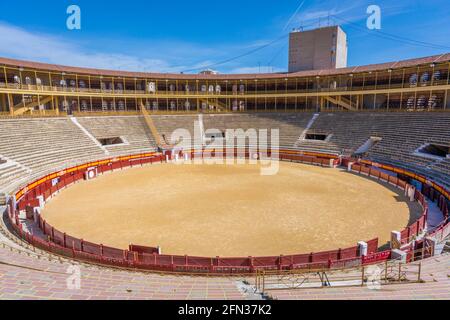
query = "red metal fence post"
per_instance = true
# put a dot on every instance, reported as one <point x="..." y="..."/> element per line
<point x="280" y="262"/>
<point x="251" y="264"/>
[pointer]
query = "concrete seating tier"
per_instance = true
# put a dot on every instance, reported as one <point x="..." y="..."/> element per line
<point x="133" y="130"/>
<point x="402" y="134"/>
<point x="34" y="146"/>
<point x="290" y="125"/>
<point x="37" y="145"/>
<point x="167" y="125"/>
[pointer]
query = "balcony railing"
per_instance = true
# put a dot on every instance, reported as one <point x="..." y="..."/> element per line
<point x="224" y="93"/>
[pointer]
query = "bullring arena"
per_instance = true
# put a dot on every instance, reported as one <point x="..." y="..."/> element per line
<point x="300" y="209"/>
<point x="90" y="179"/>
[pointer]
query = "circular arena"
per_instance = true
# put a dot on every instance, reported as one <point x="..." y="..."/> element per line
<point x="231" y="210"/>
<point x="135" y="205"/>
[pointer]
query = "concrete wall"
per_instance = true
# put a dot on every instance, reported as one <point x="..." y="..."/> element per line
<point x="342" y="49"/>
<point x="324" y="48"/>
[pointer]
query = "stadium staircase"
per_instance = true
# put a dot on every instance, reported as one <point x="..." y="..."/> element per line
<point x="151" y="125"/>
<point x="25" y="107"/>
<point x="342" y="102"/>
<point x="220" y="106"/>
<point x="88" y="134"/>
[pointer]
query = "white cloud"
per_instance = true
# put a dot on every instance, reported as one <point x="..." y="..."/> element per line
<point x="21" y="44"/>
<point x="167" y="56"/>
<point x="258" y="69"/>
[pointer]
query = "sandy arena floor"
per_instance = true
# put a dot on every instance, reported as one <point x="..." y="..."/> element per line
<point x="230" y="210"/>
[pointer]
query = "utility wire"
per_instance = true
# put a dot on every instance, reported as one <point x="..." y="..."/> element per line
<point x="276" y="55"/>
<point x="241" y="55"/>
<point x="393" y="37"/>
<point x="259" y="48"/>
<point x="377" y="33"/>
<point x="294" y="15"/>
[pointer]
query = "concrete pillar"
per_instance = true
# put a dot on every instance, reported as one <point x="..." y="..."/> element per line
<point x="363" y="249"/>
<point x="260" y="156"/>
<point x="396" y="238"/>
<point x="4" y="106"/>
<point x="350" y="166"/>
<point x="332" y="165"/>
<point x="56" y="107"/>
<point x="37" y="212"/>
<point x="41" y="202"/>
<point x="11" y="104"/>
<point x="399" y="255"/>
<point x="411" y="193"/>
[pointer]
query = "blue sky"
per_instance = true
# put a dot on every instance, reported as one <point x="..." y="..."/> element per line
<point x="176" y="36"/>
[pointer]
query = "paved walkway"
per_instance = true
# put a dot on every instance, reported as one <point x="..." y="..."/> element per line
<point x="435" y="273"/>
<point x="26" y="277"/>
